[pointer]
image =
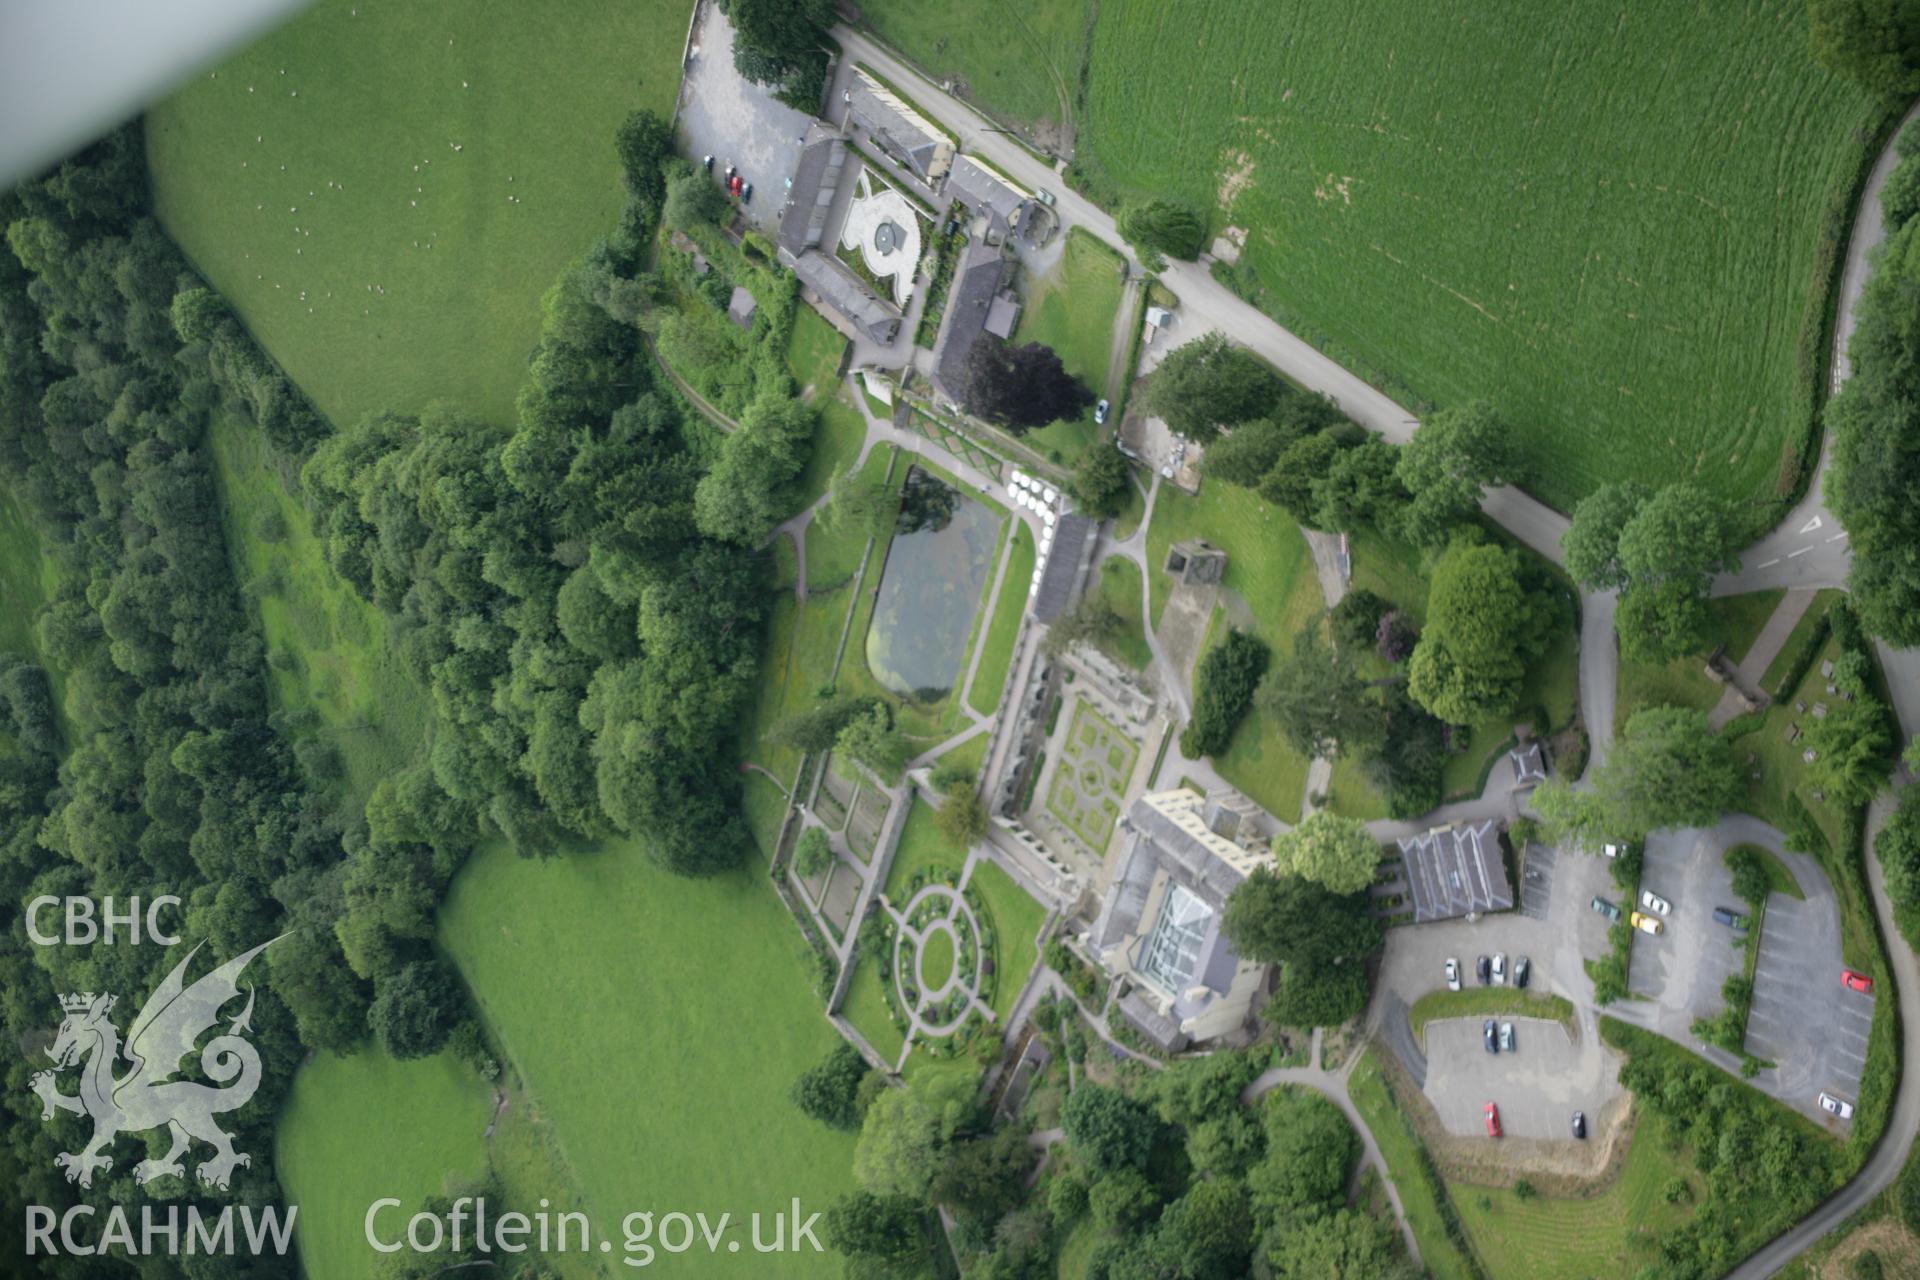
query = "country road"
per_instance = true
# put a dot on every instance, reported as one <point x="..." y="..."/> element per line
<point x="1806" y="549"/>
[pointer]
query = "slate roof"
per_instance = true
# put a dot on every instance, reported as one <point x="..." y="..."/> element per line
<point x="846" y="293"/>
<point x="969" y="299"/>
<point x="984" y="191"/>
<point x="1003" y="313"/>
<point x="1457" y="870"/>
<point x="741" y="306"/>
<point x="1529" y="764"/>
<point x="901" y="129"/>
<point x="1066" y="565"/>
<point x="823" y="163"/>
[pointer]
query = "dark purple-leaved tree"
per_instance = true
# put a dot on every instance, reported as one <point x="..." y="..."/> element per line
<point x="1020" y="387"/>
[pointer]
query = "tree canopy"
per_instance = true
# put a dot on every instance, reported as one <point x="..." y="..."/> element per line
<point x="1486" y="617"/>
<point x="1667" y="768"/>
<point x="1320" y="940"/>
<point x="1020" y="386"/>
<point x="1660" y="548"/>
<point x="1332" y="851"/>
<point x="1210" y="384"/>
<point x="1447" y="467"/>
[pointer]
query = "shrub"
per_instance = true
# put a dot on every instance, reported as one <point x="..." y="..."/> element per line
<point x="1355" y="621"/>
<point x="1223" y="689"/>
<point x="1162" y="227"/>
<point x="1524" y="1189"/>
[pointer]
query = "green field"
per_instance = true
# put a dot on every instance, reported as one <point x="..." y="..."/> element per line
<point x="327" y="648"/>
<point x="1020" y="61"/>
<point x="1614" y="221"/>
<point x="357" y="1129"/>
<point x="1073" y="308"/>
<point x="1563" y="1238"/>
<point x="1400" y="1149"/>
<point x="320" y="126"/>
<point x="1017" y="918"/>
<point x="1120" y="589"/>
<point x="996" y="653"/>
<point x="1269" y="569"/>
<point x="652" y="1038"/>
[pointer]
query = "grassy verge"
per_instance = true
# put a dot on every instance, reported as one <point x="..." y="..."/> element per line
<point x="1684" y="682"/>
<point x="1017" y="919"/>
<point x="1444" y="1246"/>
<point x="1480" y="1002"/>
<point x="1073" y="309"/>
<point x="867" y="1009"/>
<point x="996" y="654"/>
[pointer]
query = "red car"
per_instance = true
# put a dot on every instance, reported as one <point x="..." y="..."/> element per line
<point x="1856" y="982"/>
<point x="1493" y="1121"/>
<point x="733" y="185"/>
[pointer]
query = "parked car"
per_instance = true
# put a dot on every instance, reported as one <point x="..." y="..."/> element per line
<point x="1580" y="1125"/>
<point x="1655" y="903"/>
<point x="1453" y="974"/>
<point x="1044" y="196"/>
<point x="1100" y="412"/>
<point x="1483" y="970"/>
<point x="1836" y="1106"/>
<point x="1489" y="1037"/>
<point x="1506" y="1037"/>
<point x="1499" y="968"/>
<point x="1646" y="923"/>
<point x="1856" y="982"/>
<point x="1730" y="918"/>
<point x="706" y="162"/>
<point x="746" y="193"/>
<point x="1606" y="909"/>
<point x="1522" y="969"/>
<point x="1493" y="1120"/>
<point x="733" y="184"/>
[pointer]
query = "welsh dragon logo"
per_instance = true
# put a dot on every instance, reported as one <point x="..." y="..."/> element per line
<point x="148" y="1096"/>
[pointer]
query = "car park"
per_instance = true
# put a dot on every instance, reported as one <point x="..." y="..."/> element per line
<point x="1655" y="903"/>
<point x="1606" y="909"/>
<point x="1522" y="970"/>
<point x="1493" y="1120"/>
<point x="1506" y="1037"/>
<point x="1835" y="1106"/>
<point x="1100" y="412"/>
<point x="1483" y="969"/>
<point x="1453" y="974"/>
<point x="1646" y="923"/>
<point x="1580" y="1125"/>
<point x="1499" y="968"/>
<point x="1854" y="981"/>
<point x="1489" y="1037"/>
<point x="1730" y="918"/>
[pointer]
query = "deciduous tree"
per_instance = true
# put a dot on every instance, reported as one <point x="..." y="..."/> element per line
<point x="1334" y="852"/>
<point x="1448" y="465"/>
<point x="1020" y="386"/>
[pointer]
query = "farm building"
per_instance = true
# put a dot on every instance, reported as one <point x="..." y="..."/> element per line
<point x="823" y="162"/>
<point x="897" y="128"/>
<point x="1159" y="926"/>
<point x="1456" y="871"/>
<point x="989" y="195"/>
<point x="840" y="289"/>
<point x="977" y="281"/>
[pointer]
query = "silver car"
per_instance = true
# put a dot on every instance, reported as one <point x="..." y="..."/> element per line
<point x="1499" y="968"/>
<point x="1506" y="1037"/>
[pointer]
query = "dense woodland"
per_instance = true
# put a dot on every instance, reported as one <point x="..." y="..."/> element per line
<point x="588" y="640"/>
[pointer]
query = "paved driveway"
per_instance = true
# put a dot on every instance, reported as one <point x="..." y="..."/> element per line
<point x="724" y="116"/>
<point x="1802" y="1018"/>
<point x="1549" y="1075"/>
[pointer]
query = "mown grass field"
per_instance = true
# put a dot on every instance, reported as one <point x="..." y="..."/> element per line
<point x="866" y="1008"/>
<point x="1073" y="308"/>
<point x="1607" y="219"/>
<point x="239" y="162"/>
<point x="1017" y="918"/>
<point x="1020" y="61"/>
<point x="360" y="1128"/>
<point x="1560" y="1238"/>
<point x="652" y="1038"/>
<point x="996" y="654"/>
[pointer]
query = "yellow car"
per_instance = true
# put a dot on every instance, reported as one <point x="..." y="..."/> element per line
<point x="1645" y="923"/>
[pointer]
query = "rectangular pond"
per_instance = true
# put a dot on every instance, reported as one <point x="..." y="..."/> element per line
<point x="937" y="569"/>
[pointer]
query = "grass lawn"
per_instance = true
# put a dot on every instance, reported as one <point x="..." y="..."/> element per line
<point x="836" y="444"/>
<point x="1016" y="922"/>
<point x="1132" y="514"/>
<point x="1481" y="1002"/>
<point x="996" y="654"/>
<point x="1779" y="879"/>
<point x="834" y="557"/>
<point x="693" y="992"/>
<point x="1784" y="784"/>
<point x="1073" y="309"/>
<point x="239" y="162"/>
<point x="795" y="664"/>
<point x="1020" y="61"/>
<point x="923" y="847"/>
<point x="1076" y="1251"/>
<point x="936" y="959"/>
<point x="1561" y="1238"/>
<point x="327" y="649"/>
<point x="814" y="351"/>
<point x="969" y="755"/>
<point x="866" y="1008"/>
<point x="1400" y="1149"/>
<point x="1570" y="217"/>
<point x="1807" y="631"/>
<point x="1684" y="682"/>
<point x="1119" y="587"/>
<point x="424" y="1119"/>
<point x="765" y="806"/>
<point x="1269" y="569"/>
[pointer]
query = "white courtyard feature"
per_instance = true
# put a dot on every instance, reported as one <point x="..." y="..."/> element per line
<point x="884" y="226"/>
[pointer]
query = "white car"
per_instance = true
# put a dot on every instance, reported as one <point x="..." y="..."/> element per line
<point x="1453" y="974"/>
<point x="1836" y="1106"/>
<point x="1655" y="903"/>
<point x="1499" y="968"/>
